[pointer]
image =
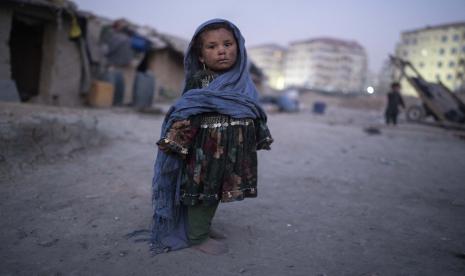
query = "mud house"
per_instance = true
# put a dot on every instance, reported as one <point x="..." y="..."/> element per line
<point x="38" y="58"/>
<point x="51" y="53"/>
<point x="166" y="62"/>
<point x="167" y="65"/>
<point x="46" y="61"/>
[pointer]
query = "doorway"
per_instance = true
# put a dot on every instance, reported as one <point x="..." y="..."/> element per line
<point x="26" y="40"/>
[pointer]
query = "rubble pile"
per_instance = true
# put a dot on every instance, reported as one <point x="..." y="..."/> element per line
<point x="30" y="135"/>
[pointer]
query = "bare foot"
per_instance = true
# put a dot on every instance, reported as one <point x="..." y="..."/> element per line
<point x="211" y="247"/>
<point x="214" y="234"/>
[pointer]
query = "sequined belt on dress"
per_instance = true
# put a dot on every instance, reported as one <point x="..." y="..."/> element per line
<point x="216" y="121"/>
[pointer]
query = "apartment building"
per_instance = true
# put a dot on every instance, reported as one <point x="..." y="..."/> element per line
<point x="327" y="64"/>
<point x="437" y="52"/>
<point x="269" y="58"/>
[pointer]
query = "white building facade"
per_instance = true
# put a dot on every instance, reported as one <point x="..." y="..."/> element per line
<point x="269" y="58"/>
<point x="437" y="52"/>
<point x="327" y="64"/>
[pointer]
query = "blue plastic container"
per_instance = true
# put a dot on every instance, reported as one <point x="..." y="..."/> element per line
<point x="319" y="107"/>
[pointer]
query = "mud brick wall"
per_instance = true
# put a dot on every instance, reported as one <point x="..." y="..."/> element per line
<point x="5" y="28"/>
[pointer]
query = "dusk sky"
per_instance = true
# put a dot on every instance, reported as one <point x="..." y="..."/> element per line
<point x="376" y="25"/>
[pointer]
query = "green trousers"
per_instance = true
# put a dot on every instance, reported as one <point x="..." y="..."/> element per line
<point x="199" y="221"/>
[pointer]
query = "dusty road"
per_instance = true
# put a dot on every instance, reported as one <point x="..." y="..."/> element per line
<point x="333" y="200"/>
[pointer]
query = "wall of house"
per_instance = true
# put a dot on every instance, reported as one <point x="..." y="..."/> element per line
<point x="61" y="67"/>
<point x="5" y="28"/>
<point x="169" y="74"/>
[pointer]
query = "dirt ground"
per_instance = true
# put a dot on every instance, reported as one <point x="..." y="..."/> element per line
<point x="333" y="199"/>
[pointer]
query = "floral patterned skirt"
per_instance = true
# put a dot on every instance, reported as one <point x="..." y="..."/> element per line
<point x="222" y="161"/>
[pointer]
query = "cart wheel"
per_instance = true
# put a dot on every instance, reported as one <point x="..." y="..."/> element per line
<point x="415" y="113"/>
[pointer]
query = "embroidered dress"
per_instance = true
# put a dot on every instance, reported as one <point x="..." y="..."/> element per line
<point x="219" y="152"/>
<point x="231" y="93"/>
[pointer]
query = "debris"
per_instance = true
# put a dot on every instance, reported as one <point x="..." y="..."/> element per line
<point x="384" y="161"/>
<point x="460" y="135"/>
<point x="458" y="202"/>
<point x="242" y="270"/>
<point x="460" y="255"/>
<point x="84" y="245"/>
<point x="372" y="130"/>
<point x="9" y="91"/>
<point x="106" y="255"/>
<point x="21" y="234"/>
<point x="48" y="243"/>
<point x="92" y="196"/>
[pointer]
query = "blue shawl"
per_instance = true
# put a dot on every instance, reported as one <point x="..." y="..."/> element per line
<point x="231" y="93"/>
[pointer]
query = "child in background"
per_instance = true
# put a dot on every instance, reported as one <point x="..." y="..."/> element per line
<point x="209" y="142"/>
<point x="394" y="100"/>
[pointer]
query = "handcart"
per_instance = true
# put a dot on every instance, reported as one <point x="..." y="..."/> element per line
<point x="447" y="109"/>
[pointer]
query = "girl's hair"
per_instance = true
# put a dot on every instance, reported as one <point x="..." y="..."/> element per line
<point x="215" y="26"/>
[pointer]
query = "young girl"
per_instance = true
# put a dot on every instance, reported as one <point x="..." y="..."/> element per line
<point x="209" y="141"/>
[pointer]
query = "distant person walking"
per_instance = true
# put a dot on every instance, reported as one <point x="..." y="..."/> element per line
<point x="394" y="100"/>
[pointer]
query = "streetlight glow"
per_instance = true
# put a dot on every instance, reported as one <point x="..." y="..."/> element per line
<point x="370" y="90"/>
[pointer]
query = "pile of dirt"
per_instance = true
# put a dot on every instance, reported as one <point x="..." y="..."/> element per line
<point x="32" y="134"/>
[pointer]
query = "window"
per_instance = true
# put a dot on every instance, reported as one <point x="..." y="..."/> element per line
<point x="438" y="77"/>
<point x="441" y="51"/>
<point x="449" y="76"/>
<point x="453" y="51"/>
<point x="414" y="41"/>
<point x="463" y="49"/>
<point x="421" y="64"/>
<point x="444" y="38"/>
<point x="405" y="53"/>
<point x="456" y="37"/>
<point x="451" y="64"/>
<point x="439" y="64"/>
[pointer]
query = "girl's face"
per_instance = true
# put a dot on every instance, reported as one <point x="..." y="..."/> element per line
<point x="219" y="49"/>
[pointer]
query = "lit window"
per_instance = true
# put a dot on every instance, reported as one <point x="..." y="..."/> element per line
<point x="439" y="64"/>
<point x="453" y="51"/>
<point x="451" y="64"/>
<point x="456" y="37"/>
<point x="444" y="38"/>
<point x="441" y="51"/>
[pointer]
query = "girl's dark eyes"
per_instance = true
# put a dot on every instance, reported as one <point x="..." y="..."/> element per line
<point x="213" y="46"/>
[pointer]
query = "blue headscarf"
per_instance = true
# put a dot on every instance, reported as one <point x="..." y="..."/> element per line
<point x="231" y="93"/>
